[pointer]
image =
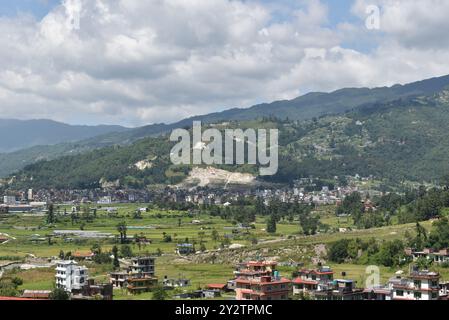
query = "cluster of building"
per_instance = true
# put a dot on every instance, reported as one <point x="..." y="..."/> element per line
<point x="435" y="256"/>
<point x="74" y="279"/>
<point x="137" y="276"/>
<point x="23" y="204"/>
<point x="304" y="190"/>
<point x="259" y="280"/>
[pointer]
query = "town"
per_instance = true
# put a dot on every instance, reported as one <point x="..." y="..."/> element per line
<point x="198" y="243"/>
<point x="252" y="280"/>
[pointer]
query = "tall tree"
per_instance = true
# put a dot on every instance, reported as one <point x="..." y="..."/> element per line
<point x="271" y="224"/>
<point x="51" y="214"/>
<point x="122" y="229"/>
<point x="115" y="262"/>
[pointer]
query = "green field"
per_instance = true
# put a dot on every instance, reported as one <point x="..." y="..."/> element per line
<point x="179" y="225"/>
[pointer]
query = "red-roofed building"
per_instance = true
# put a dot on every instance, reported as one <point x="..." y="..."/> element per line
<point x="217" y="286"/>
<point x="255" y="269"/>
<point x="83" y="255"/>
<point x="309" y="281"/>
<point x="14" y="299"/>
<point x="261" y="281"/>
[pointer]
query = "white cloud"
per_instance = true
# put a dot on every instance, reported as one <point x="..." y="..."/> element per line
<point x="137" y="62"/>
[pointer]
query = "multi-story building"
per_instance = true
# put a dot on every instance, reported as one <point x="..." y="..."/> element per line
<point x="340" y="290"/>
<point x="70" y="276"/>
<point x="261" y="281"/>
<point x="138" y="285"/>
<point x="119" y="279"/>
<point x="436" y="256"/>
<point x="138" y="276"/>
<point x="309" y="281"/>
<point x="420" y="285"/>
<point x="9" y="200"/>
<point x="142" y="266"/>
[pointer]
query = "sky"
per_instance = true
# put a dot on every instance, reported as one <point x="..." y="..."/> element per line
<point x="138" y="62"/>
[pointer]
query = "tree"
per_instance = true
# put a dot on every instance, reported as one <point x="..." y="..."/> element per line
<point x="351" y="205"/>
<point x="390" y="253"/>
<point x="115" y="262"/>
<point x="122" y="229"/>
<point x="96" y="248"/>
<point x="215" y="235"/>
<point x="50" y="214"/>
<point x="421" y="237"/>
<point x="271" y="224"/>
<point x="309" y="224"/>
<point x="126" y="251"/>
<point x="159" y="293"/>
<point x="59" y="294"/>
<point x="338" y="251"/>
<point x="137" y="215"/>
<point x="439" y="236"/>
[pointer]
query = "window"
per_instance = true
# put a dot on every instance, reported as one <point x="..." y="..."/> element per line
<point x="417" y="295"/>
<point x="400" y="293"/>
<point x="417" y="283"/>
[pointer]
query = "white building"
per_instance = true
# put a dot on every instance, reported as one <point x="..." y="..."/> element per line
<point x="9" y="200"/>
<point x="69" y="275"/>
<point x="420" y="285"/>
<point x="105" y="200"/>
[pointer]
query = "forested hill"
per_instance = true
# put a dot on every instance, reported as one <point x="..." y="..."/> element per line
<point x="406" y="139"/>
<point x="309" y="106"/>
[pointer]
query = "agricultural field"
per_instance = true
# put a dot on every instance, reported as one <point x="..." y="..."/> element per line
<point x="30" y="235"/>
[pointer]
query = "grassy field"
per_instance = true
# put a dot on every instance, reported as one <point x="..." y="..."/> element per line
<point x="180" y="226"/>
<point x="156" y="224"/>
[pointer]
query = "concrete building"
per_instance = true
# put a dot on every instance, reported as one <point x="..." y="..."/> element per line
<point x="339" y="289"/>
<point x="70" y="276"/>
<point x="420" y="285"/>
<point x="261" y="281"/>
<point x="142" y="266"/>
<point x="309" y="281"/>
<point x="9" y="200"/>
<point x="436" y="256"/>
<point x="137" y="276"/>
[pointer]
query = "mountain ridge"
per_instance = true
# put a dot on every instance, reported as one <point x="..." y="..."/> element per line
<point x="306" y="107"/>
<point x="30" y="133"/>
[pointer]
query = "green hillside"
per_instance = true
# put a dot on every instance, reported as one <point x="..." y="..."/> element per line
<point x="396" y="141"/>
<point x="309" y="106"/>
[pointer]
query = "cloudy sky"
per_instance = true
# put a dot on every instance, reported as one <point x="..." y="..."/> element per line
<point x="136" y="62"/>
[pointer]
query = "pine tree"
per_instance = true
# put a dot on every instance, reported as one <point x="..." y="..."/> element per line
<point x="271" y="224"/>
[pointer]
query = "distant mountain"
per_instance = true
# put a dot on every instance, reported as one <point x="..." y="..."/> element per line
<point x="307" y="107"/>
<point x="20" y="134"/>
<point x="396" y="141"/>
